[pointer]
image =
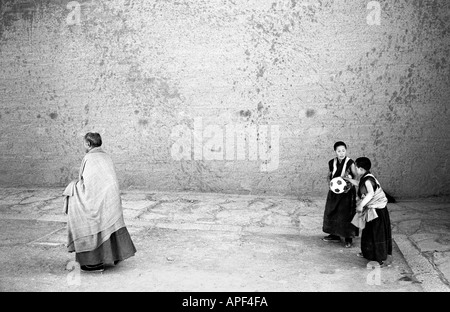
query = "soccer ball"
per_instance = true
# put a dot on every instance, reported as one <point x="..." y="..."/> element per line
<point x="338" y="185"/>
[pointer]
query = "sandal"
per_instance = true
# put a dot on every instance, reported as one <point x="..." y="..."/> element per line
<point x="331" y="238"/>
<point x="359" y="254"/>
<point x="348" y="245"/>
<point x="93" y="268"/>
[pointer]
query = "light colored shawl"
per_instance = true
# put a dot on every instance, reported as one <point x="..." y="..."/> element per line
<point x="343" y="167"/>
<point x="379" y="201"/>
<point x="93" y="203"/>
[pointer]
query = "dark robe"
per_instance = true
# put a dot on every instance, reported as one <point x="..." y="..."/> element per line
<point x="340" y="208"/>
<point x="376" y="237"/>
<point x="96" y="227"/>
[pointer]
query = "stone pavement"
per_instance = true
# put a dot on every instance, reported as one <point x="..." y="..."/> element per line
<point x="215" y="242"/>
<point x="421" y="230"/>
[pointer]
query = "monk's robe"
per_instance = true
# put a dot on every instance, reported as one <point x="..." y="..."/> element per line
<point x="375" y="222"/>
<point x="96" y="228"/>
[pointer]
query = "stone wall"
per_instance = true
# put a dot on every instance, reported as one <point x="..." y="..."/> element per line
<point x="233" y="96"/>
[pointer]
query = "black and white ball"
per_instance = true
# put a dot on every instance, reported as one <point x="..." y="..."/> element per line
<point x="338" y="185"/>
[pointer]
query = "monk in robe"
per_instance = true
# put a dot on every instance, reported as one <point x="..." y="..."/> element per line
<point x="96" y="228"/>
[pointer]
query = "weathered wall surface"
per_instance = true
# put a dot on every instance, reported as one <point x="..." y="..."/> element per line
<point x="169" y="83"/>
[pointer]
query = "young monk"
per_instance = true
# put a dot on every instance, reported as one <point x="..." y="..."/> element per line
<point x="372" y="215"/>
<point x="96" y="228"/>
<point x="340" y="208"/>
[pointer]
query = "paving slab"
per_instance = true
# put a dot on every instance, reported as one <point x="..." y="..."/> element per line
<point x="220" y="242"/>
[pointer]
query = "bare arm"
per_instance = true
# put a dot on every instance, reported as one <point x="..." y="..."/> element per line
<point x="353" y="170"/>
<point x="329" y="175"/>
<point x="355" y="182"/>
<point x="367" y="198"/>
<point x="352" y="181"/>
